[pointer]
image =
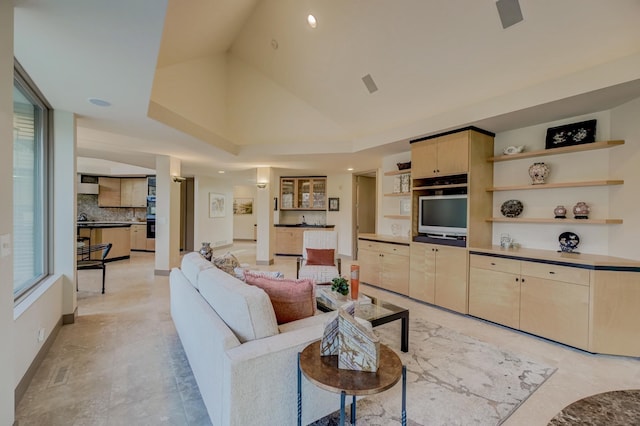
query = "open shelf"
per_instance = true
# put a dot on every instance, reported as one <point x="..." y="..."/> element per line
<point x="561" y="150"/>
<point x="397" y="216"/>
<point x="398" y="194"/>
<point x="605" y="182"/>
<point x="397" y="172"/>
<point x="572" y="221"/>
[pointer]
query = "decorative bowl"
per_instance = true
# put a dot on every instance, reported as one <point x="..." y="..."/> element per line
<point x="404" y="166"/>
<point x="511" y="208"/>
<point x="510" y="150"/>
<point x="568" y="242"/>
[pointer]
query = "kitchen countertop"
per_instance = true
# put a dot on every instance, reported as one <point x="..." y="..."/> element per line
<point x="300" y="225"/>
<point x="107" y="224"/>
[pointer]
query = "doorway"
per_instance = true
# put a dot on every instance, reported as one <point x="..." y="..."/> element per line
<point x="365" y="206"/>
<point x="187" y="215"/>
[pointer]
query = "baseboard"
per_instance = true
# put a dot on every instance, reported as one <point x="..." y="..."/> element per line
<point x="161" y="272"/>
<point x="264" y="262"/>
<point x="33" y="368"/>
<point x="70" y="318"/>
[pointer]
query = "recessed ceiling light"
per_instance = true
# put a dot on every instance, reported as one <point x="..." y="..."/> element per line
<point x="350" y="169"/>
<point x="312" y="21"/>
<point x="221" y="171"/>
<point x="99" y="102"/>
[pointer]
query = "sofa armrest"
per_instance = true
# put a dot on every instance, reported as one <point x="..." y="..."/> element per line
<point x="262" y="381"/>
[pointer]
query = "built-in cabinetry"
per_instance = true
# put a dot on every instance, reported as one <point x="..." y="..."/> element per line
<point x="384" y="262"/>
<point x="555" y="185"/>
<point x="444" y="155"/>
<point x="438" y="275"/>
<point x="303" y="193"/>
<point x="138" y="237"/>
<point x="402" y="195"/>
<point x="118" y="236"/>
<point x="289" y="238"/>
<point x="586" y="301"/>
<point x="122" y="192"/>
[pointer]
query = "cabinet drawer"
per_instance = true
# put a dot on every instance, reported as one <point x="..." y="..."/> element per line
<point x="556" y="273"/>
<point x="370" y="245"/>
<point x="495" y="263"/>
<point x="395" y="249"/>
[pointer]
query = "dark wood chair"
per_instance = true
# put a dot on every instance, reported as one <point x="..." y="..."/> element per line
<point x="87" y="263"/>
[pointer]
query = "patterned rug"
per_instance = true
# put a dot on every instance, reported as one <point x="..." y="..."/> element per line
<point x="617" y="408"/>
<point x="452" y="379"/>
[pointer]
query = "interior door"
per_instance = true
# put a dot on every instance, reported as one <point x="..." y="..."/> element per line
<point x="365" y="207"/>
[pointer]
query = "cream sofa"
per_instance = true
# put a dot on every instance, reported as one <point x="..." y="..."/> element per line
<point x="244" y="363"/>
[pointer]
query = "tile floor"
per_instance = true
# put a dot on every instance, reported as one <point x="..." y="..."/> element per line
<point x="121" y="363"/>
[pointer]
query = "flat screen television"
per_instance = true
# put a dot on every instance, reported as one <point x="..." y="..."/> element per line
<point x="443" y="216"/>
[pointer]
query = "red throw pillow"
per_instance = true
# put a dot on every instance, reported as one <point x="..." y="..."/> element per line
<point x="320" y="257"/>
<point x="291" y="299"/>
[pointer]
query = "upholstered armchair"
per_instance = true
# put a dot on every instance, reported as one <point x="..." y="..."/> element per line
<point x="319" y="257"/>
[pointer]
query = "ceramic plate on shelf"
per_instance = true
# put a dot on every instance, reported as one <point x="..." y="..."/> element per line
<point x="512" y="208"/>
<point x="568" y="242"/>
<point x="510" y="150"/>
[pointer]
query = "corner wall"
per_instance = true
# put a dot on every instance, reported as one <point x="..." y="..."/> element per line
<point x="216" y="230"/>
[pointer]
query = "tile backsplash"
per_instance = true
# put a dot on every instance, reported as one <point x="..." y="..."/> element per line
<point x="88" y="204"/>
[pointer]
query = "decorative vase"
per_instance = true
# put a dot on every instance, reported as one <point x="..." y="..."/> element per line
<point x="355" y="281"/>
<point x="560" y="212"/>
<point x="206" y="251"/>
<point x="538" y="173"/>
<point x="581" y="210"/>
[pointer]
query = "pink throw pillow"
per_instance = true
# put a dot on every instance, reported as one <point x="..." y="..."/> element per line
<point x="291" y="299"/>
<point x="320" y="257"/>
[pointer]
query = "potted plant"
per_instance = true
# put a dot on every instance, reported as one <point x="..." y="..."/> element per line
<point x="340" y="285"/>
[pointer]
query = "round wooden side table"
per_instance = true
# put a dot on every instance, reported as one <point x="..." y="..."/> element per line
<point x="323" y="372"/>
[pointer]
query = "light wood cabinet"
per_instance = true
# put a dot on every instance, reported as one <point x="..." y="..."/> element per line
<point x="109" y="192"/>
<point x="139" y="237"/>
<point x="289" y="240"/>
<point x="133" y="192"/>
<point x="122" y="192"/>
<point x="119" y="237"/>
<point x="384" y="265"/>
<point x="303" y="193"/>
<point x="439" y="275"/>
<point x="547" y="300"/>
<point x="442" y="156"/>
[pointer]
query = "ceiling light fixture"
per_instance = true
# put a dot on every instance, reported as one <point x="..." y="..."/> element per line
<point x="221" y="171"/>
<point x="178" y="179"/>
<point x="350" y="169"/>
<point x="99" y="102"/>
<point x="311" y="20"/>
<point x="261" y="185"/>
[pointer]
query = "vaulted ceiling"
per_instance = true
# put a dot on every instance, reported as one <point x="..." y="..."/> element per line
<point x="232" y="84"/>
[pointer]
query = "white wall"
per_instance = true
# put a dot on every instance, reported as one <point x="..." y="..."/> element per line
<point x="217" y="231"/>
<point x="243" y="224"/>
<point x="7" y="382"/>
<point x="167" y="214"/>
<point x="340" y="186"/>
<point x="625" y="163"/>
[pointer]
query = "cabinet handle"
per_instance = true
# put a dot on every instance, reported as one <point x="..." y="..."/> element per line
<point x="493" y="264"/>
<point x="522" y="280"/>
<point x="551" y="272"/>
<point x="516" y="279"/>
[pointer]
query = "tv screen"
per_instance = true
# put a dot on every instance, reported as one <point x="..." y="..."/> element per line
<point x="443" y="214"/>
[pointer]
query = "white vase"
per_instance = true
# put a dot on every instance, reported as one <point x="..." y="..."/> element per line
<point x="538" y="173"/>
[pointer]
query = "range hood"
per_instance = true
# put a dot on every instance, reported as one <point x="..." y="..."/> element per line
<point x="87" y="184"/>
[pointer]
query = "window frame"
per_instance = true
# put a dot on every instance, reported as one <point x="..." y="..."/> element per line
<point x="44" y="130"/>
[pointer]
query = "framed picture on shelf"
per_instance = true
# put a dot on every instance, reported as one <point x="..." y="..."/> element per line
<point x="334" y="204"/>
<point x="571" y="134"/>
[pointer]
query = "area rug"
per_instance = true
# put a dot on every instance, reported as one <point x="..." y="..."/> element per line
<point x="452" y="379"/>
<point x="616" y="408"/>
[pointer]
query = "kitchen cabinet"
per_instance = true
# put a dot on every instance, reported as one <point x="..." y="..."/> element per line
<point x="133" y="192"/>
<point x="119" y="237"/>
<point x="441" y="156"/>
<point x="289" y="238"/>
<point x="384" y="265"/>
<point x="109" y="192"/>
<point x="439" y="275"/>
<point x="303" y="193"/>
<point x="139" y="237"/>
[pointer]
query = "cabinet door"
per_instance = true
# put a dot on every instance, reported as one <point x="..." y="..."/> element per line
<point x="395" y="273"/>
<point x="303" y="190"/>
<point x="451" y="278"/>
<point x="370" y="267"/>
<point x="133" y="192"/>
<point x="287" y="193"/>
<point x="495" y="296"/>
<point x="287" y="241"/>
<point x="453" y="154"/>
<point x="424" y="161"/>
<point x="555" y="310"/>
<point x="421" y="281"/>
<point x="319" y="193"/>
<point x="108" y="192"/>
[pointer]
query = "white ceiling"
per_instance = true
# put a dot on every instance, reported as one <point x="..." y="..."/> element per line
<point x="303" y="106"/>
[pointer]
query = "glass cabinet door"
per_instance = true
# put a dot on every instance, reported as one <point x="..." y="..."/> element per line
<point x="287" y="193"/>
<point x="319" y="193"/>
<point x="304" y="193"/>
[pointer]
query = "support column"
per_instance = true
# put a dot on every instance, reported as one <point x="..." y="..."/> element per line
<point x="265" y="242"/>
<point x="167" y="214"/>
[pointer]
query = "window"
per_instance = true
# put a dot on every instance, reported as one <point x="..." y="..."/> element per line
<point x="30" y="142"/>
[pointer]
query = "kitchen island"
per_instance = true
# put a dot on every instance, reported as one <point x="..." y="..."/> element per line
<point x="116" y="233"/>
<point x="289" y="237"/>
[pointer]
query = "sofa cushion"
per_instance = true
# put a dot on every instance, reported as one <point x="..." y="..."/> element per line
<point x="245" y="309"/>
<point x="291" y="299"/>
<point x="320" y="257"/>
<point x="239" y="273"/>
<point x="192" y="264"/>
<point x="227" y="262"/>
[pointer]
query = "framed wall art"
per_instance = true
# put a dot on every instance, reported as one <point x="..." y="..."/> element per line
<point x="242" y="206"/>
<point x="216" y="205"/>
<point x="334" y="204"/>
<point x="571" y="134"/>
